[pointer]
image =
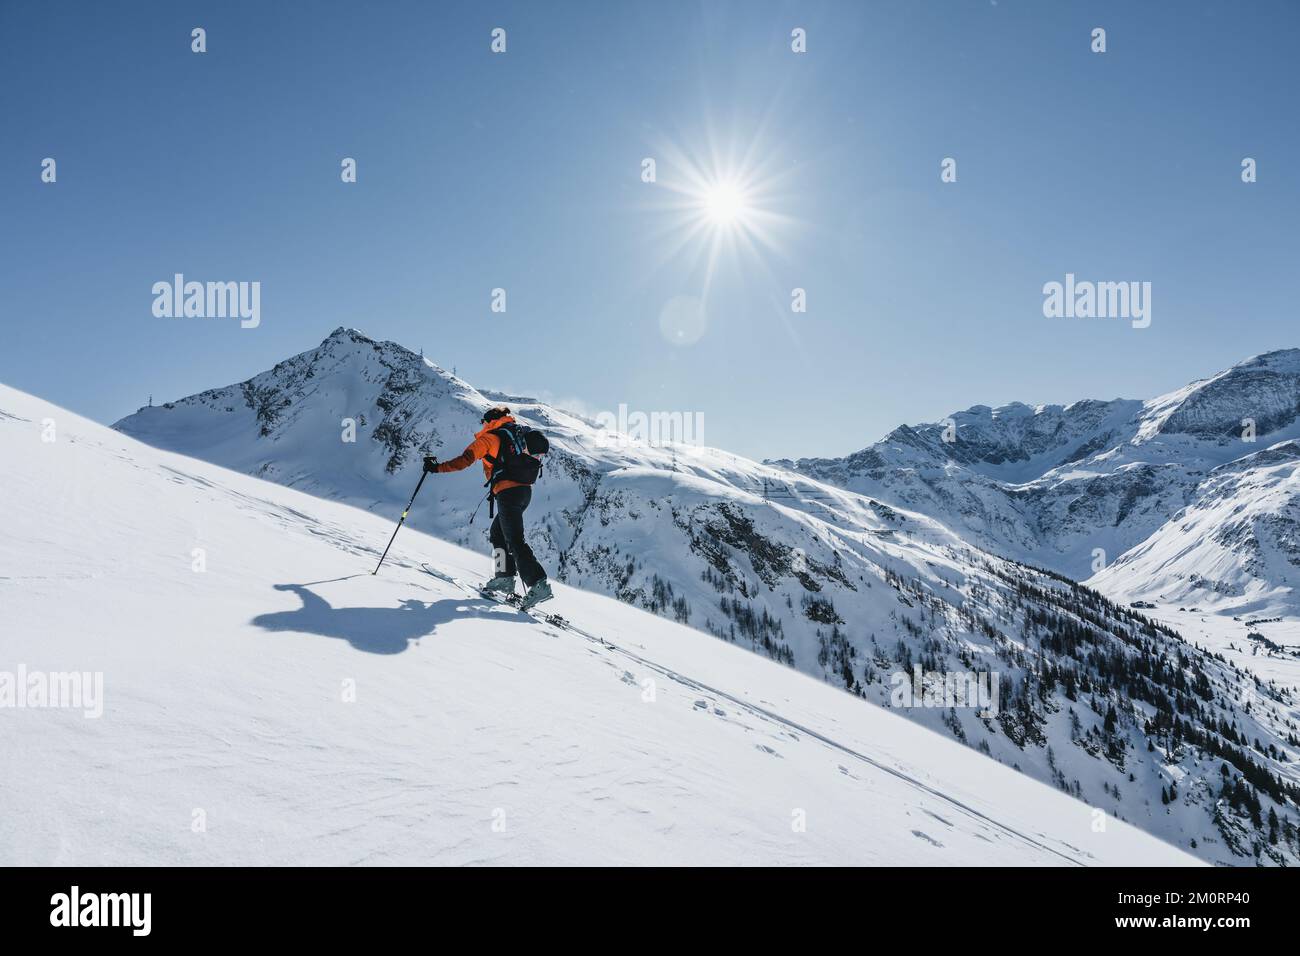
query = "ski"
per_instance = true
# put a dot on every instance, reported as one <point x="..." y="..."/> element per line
<point x="512" y="600"/>
<point x="554" y="620"/>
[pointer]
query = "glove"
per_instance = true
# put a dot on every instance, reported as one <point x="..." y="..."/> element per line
<point x="430" y="464"/>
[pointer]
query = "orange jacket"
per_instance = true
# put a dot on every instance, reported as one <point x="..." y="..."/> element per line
<point x="485" y="445"/>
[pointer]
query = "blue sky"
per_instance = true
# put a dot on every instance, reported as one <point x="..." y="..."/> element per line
<point x="522" y="171"/>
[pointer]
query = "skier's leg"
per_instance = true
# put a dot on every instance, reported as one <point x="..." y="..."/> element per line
<point x="510" y="512"/>
<point x="503" y="562"/>
<point x="503" y="566"/>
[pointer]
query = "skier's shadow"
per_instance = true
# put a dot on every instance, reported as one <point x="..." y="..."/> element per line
<point x="375" y="630"/>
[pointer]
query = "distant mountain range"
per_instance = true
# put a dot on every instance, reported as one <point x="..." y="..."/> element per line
<point x="1191" y="497"/>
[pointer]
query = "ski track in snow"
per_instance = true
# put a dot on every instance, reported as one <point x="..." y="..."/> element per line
<point x="771" y="715"/>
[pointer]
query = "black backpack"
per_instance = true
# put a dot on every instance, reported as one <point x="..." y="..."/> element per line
<point x="517" y="460"/>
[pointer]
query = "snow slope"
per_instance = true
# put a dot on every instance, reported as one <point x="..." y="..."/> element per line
<point x="230" y="616"/>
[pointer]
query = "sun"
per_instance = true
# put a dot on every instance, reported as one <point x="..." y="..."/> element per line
<point x="725" y="203"/>
<point x="720" y="206"/>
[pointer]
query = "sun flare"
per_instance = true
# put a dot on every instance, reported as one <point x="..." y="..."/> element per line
<point x="724" y="203"/>
<point x="720" y="206"/>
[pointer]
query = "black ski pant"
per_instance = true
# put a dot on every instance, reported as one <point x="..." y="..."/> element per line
<point x="510" y="551"/>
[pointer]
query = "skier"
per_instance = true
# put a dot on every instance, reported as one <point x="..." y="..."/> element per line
<point x="510" y="464"/>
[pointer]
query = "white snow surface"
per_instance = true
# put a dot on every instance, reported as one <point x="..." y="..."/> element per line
<point x="477" y="735"/>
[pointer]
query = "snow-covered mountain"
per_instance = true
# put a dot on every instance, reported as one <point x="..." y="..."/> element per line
<point x="1103" y="703"/>
<point x="1188" y="497"/>
<point x="1235" y="546"/>
<point x="264" y="699"/>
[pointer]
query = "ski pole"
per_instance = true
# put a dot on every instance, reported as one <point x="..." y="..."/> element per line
<point x="400" y="522"/>
<point x="479" y="505"/>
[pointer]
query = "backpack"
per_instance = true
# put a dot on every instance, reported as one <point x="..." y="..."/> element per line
<point x="516" y="459"/>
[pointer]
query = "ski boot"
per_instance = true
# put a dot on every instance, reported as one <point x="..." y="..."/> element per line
<point x="502" y="586"/>
<point x="539" y="592"/>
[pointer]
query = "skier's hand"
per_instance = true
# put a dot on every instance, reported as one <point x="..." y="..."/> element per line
<point x="430" y="464"/>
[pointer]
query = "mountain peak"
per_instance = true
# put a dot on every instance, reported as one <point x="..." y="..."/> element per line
<point x="349" y="333"/>
<point x="1264" y="389"/>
